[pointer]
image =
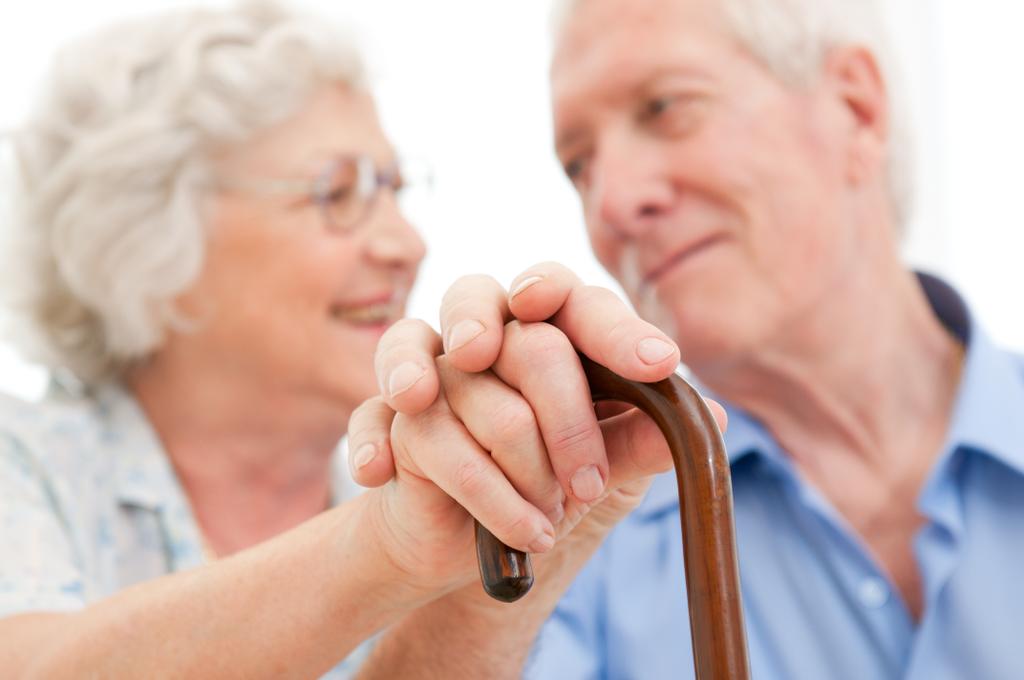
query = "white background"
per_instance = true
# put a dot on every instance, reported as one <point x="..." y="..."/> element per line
<point x="462" y="83"/>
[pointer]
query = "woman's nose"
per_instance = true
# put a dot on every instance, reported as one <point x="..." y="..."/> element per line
<point x="391" y="238"/>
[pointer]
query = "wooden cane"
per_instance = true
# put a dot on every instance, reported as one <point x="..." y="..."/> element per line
<point x="705" y="510"/>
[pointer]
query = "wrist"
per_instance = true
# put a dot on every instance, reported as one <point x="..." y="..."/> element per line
<point x="464" y="634"/>
<point x="365" y="568"/>
<point x="415" y="570"/>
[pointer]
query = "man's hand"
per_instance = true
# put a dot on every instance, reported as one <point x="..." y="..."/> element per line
<point x="502" y="427"/>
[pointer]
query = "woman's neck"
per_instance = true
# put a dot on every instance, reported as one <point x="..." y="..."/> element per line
<point x="253" y="459"/>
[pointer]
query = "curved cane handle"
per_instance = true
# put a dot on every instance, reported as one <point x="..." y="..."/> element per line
<point x="705" y="508"/>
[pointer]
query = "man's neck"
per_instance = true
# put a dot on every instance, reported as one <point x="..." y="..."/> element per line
<point x="870" y="375"/>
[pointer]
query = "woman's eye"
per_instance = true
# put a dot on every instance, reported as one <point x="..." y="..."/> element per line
<point x="339" y="193"/>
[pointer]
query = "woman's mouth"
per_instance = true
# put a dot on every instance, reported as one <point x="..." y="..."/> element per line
<point x="372" y="314"/>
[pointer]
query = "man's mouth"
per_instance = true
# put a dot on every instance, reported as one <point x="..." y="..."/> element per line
<point x="687" y="252"/>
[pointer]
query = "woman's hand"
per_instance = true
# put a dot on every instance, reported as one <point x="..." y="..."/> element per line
<point x="502" y="426"/>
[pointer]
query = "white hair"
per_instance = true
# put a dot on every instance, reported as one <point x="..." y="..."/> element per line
<point x="114" y="167"/>
<point x="793" y="37"/>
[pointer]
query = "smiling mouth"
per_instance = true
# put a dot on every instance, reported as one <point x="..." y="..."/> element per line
<point x="681" y="256"/>
<point x="381" y="313"/>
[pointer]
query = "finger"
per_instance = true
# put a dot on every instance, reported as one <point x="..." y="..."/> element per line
<point x="473" y="315"/>
<point x="596" y="321"/>
<point x="436" y="447"/>
<point x="718" y="411"/>
<point x="531" y="302"/>
<point x="404" y="363"/>
<point x="501" y="420"/>
<point x="636" y="446"/>
<point x="369" y="443"/>
<point x="538" y="361"/>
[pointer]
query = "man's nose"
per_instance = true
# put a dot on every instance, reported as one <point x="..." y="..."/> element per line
<point x="630" y="189"/>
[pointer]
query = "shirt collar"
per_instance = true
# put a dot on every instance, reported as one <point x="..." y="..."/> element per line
<point x="143" y="474"/>
<point x="744" y="438"/>
<point x="145" y="477"/>
<point x="988" y="415"/>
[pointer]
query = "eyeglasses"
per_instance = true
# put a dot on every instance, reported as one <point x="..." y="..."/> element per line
<point x="347" y="189"/>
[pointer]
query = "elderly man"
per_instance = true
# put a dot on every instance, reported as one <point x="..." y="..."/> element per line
<point x="740" y="171"/>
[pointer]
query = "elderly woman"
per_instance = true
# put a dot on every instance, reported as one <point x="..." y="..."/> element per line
<point x="209" y="250"/>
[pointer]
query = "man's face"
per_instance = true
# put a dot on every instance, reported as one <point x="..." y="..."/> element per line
<point x="720" y="197"/>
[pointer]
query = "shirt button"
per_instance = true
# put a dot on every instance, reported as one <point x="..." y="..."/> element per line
<point x="873" y="593"/>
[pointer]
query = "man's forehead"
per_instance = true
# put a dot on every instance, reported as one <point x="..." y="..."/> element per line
<point x="601" y="34"/>
<point x="598" y="17"/>
<point x="609" y="47"/>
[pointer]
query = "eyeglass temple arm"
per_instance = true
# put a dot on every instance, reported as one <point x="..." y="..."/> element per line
<point x="705" y="494"/>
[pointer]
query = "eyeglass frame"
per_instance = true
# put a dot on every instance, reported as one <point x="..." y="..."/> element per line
<point x="370" y="180"/>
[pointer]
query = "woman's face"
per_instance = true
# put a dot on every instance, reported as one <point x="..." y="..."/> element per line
<point x="286" y="301"/>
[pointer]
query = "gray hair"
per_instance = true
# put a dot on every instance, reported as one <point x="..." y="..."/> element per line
<point x="793" y="37"/>
<point x="114" y="166"/>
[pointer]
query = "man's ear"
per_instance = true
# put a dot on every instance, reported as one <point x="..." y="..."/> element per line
<point x="862" y="93"/>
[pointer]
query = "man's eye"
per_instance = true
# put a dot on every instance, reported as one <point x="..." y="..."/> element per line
<point x="574" y="169"/>
<point x="675" y="114"/>
<point x="656" y="107"/>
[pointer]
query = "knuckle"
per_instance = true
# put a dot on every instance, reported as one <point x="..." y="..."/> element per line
<point x="572" y="436"/>
<point x="540" y="340"/>
<point x="452" y="382"/>
<point x="620" y="330"/>
<point x="513" y="420"/>
<point x="470" y="476"/>
<point x="516" y="528"/>
<point x="588" y="296"/>
<point x="434" y="421"/>
<point x="424" y="429"/>
<point x="548" y="497"/>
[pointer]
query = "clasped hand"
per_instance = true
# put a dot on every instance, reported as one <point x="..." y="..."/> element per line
<point x="493" y="419"/>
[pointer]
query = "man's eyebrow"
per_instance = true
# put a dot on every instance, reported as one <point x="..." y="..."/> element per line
<point x="567" y="139"/>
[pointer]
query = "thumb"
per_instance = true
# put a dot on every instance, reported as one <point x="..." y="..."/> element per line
<point x="637" y="448"/>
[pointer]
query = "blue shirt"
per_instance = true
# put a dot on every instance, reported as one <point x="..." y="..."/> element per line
<point x="816" y="603"/>
<point x="90" y="504"/>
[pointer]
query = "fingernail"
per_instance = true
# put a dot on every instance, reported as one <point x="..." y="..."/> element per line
<point x="524" y="284"/>
<point x="557" y="514"/>
<point x="542" y="543"/>
<point x="462" y="334"/>
<point x="364" y="455"/>
<point x="404" y="377"/>
<point x="654" y="350"/>
<point x="587" y="484"/>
